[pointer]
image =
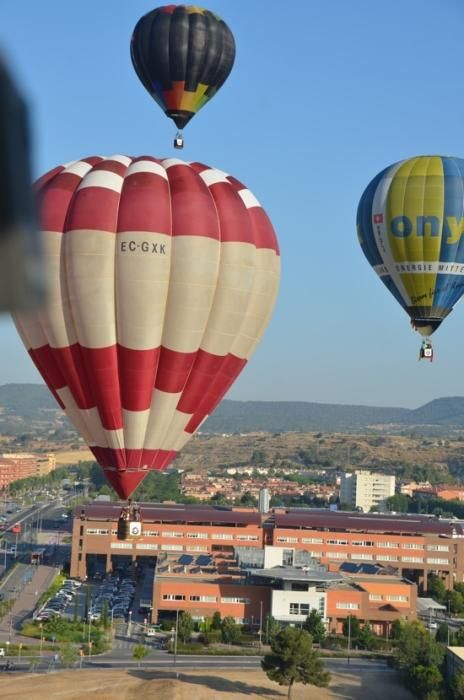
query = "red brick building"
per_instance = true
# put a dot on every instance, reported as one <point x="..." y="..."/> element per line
<point x="20" y="466"/>
<point x="413" y="545"/>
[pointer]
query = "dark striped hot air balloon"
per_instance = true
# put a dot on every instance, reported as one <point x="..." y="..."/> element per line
<point x="182" y="54"/>
<point x="162" y="276"/>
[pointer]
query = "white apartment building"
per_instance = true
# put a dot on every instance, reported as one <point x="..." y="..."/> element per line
<point x="364" y="489"/>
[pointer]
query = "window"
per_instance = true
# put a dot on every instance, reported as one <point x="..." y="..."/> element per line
<point x="287" y="539"/>
<point x="142" y="545"/>
<point x="148" y="533"/>
<point x="196" y="548"/>
<point x="437" y="548"/>
<point x="81" y="531"/>
<point x="347" y="606"/>
<point x="415" y="560"/>
<point x="361" y="555"/>
<point x="388" y="545"/>
<point x="362" y="543"/>
<point x="336" y="542"/>
<point x="172" y="534"/>
<point x="386" y="557"/>
<point x="397" y="598"/>
<point x="172" y="547"/>
<point x="121" y="545"/>
<point x="413" y="545"/>
<point x="244" y="601"/>
<point x="198" y="535"/>
<point x="173" y="596"/>
<point x="248" y="538"/>
<point x="437" y="561"/>
<point x="95" y="531"/>
<point x="222" y="536"/>
<point x="287" y="557"/>
<point x="312" y="540"/>
<point x="375" y="596"/>
<point x="336" y="555"/>
<point x="299" y="609"/>
<point x="203" y="598"/>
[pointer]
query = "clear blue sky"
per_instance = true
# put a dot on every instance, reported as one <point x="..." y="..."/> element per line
<point x="323" y="95"/>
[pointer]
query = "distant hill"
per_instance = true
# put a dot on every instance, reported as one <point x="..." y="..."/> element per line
<point x="31" y="407"/>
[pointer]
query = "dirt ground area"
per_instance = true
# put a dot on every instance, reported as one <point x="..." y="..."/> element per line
<point x="73" y="457"/>
<point x="192" y="685"/>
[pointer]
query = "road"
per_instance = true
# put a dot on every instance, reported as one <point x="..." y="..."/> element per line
<point x="162" y="661"/>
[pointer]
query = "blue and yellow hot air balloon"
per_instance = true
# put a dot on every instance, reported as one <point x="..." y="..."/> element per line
<point x="410" y="226"/>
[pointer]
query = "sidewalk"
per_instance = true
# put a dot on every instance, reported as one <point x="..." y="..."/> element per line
<point x="27" y="599"/>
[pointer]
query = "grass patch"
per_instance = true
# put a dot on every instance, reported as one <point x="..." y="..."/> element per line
<point x="58" y="630"/>
<point x="52" y="590"/>
<point x="213" y="650"/>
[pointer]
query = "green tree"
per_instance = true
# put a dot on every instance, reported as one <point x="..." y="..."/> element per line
<point x="139" y="653"/>
<point x="457" y="686"/>
<point x="104" y="615"/>
<point x="351" y="627"/>
<point x="365" y="637"/>
<point x="76" y="609"/>
<point x="315" y="627"/>
<point x="247" y="499"/>
<point x="437" y="589"/>
<point x="396" y="629"/>
<point x="230" y="630"/>
<point x="216" y="621"/>
<point x="456" y="601"/>
<point x="426" y="681"/>
<point x="271" y="628"/>
<point x="420" y="658"/>
<point x="293" y="660"/>
<point x="459" y="637"/>
<point x="398" y="503"/>
<point x="443" y="633"/>
<point x="87" y="603"/>
<point x="185" y="626"/>
<point x="68" y="655"/>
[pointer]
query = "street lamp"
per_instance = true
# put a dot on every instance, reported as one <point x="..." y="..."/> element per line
<point x="175" y="643"/>
<point x="349" y="636"/>
<point x="129" y="624"/>
<point x="260" y="625"/>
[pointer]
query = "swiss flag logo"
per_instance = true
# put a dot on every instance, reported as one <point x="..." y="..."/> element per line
<point x="378" y="218"/>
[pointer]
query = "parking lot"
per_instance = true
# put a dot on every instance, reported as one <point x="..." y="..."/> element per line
<point x="119" y="593"/>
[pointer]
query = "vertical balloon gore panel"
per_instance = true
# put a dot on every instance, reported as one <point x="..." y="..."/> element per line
<point x="22" y="276"/>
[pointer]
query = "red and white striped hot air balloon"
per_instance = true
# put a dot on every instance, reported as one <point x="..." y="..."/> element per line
<point x="163" y="276"/>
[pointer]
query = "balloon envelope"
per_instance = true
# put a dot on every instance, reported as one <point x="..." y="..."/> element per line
<point x="182" y="55"/>
<point x="410" y="224"/>
<point x="163" y="276"/>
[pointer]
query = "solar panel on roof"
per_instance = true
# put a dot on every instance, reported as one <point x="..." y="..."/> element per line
<point x="185" y="559"/>
<point x="349" y="567"/>
<point x="203" y="560"/>
<point x="368" y="569"/>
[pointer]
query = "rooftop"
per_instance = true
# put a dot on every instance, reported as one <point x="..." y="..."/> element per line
<point x="368" y="522"/>
<point x="289" y="573"/>
<point x="173" y="513"/>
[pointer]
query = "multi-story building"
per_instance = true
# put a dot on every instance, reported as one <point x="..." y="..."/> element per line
<point x="287" y="593"/>
<point x="190" y="529"/>
<point x="21" y="465"/>
<point x="413" y="545"/>
<point x="365" y="489"/>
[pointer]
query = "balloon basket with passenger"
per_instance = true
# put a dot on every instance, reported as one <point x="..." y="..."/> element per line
<point x="129" y="522"/>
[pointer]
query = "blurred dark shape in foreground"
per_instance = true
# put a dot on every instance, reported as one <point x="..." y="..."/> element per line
<point x="22" y="273"/>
